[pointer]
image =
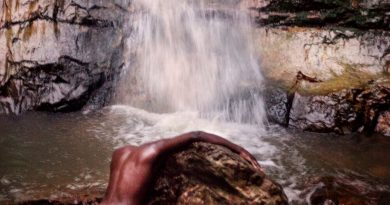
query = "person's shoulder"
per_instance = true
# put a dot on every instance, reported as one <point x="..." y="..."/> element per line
<point x="147" y="153"/>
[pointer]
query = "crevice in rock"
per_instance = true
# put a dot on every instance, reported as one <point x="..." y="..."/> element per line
<point x="84" y="22"/>
<point x="324" y="13"/>
<point x="42" y="14"/>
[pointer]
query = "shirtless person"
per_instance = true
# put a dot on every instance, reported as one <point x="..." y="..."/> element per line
<point x="132" y="167"/>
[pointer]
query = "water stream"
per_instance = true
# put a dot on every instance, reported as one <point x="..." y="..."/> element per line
<point x="193" y="56"/>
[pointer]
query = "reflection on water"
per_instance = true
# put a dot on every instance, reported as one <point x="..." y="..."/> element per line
<point x="54" y="155"/>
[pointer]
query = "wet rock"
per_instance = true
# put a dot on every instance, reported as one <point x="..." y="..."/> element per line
<point x="370" y="103"/>
<point x="80" y="199"/>
<point x="59" y="55"/>
<point x="322" y="113"/>
<point x="62" y="86"/>
<point x="277" y="104"/>
<point x="333" y="190"/>
<point x="362" y="109"/>
<point x="210" y="174"/>
<point x="383" y="125"/>
<point x="64" y="202"/>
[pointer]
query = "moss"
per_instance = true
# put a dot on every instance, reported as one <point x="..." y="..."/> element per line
<point x="350" y="78"/>
<point x="278" y="83"/>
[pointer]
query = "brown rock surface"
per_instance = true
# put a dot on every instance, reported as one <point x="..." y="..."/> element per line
<point x="383" y="125"/>
<point x="210" y="174"/>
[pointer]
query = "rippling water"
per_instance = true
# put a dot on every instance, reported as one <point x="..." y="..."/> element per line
<point x="192" y="66"/>
<point x="56" y="155"/>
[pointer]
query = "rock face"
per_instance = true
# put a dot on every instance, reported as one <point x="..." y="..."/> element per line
<point x="323" y="53"/>
<point x="343" y="44"/>
<point x="333" y="190"/>
<point x="348" y="110"/>
<point x="210" y="174"/>
<point x="322" y="38"/>
<point x="59" y="55"/>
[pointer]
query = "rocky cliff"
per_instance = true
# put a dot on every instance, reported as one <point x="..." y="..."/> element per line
<point x="342" y="48"/>
<point x="59" y="55"/>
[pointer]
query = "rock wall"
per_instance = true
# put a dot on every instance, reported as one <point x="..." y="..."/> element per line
<point x="59" y="55"/>
<point x="321" y="37"/>
<point x="349" y="110"/>
<point x="323" y="53"/>
<point x="343" y="45"/>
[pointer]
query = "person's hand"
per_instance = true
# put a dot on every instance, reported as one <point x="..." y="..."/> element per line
<point x="252" y="160"/>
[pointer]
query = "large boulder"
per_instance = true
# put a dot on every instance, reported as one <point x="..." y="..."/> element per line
<point x="329" y="113"/>
<point x="204" y="173"/>
<point x="278" y="104"/>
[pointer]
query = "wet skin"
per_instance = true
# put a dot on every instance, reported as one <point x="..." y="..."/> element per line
<point x="132" y="167"/>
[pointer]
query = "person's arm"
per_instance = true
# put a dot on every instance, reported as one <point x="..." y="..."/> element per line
<point x="167" y="145"/>
<point x="207" y="137"/>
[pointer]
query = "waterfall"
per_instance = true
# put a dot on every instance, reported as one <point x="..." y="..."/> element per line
<point x="192" y="56"/>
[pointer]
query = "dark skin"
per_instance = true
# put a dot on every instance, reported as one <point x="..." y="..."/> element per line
<point x="132" y="167"/>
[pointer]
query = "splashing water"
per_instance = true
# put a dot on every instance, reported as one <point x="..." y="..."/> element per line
<point x="193" y="56"/>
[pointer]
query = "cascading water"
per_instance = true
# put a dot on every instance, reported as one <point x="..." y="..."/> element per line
<point x="193" y="56"/>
